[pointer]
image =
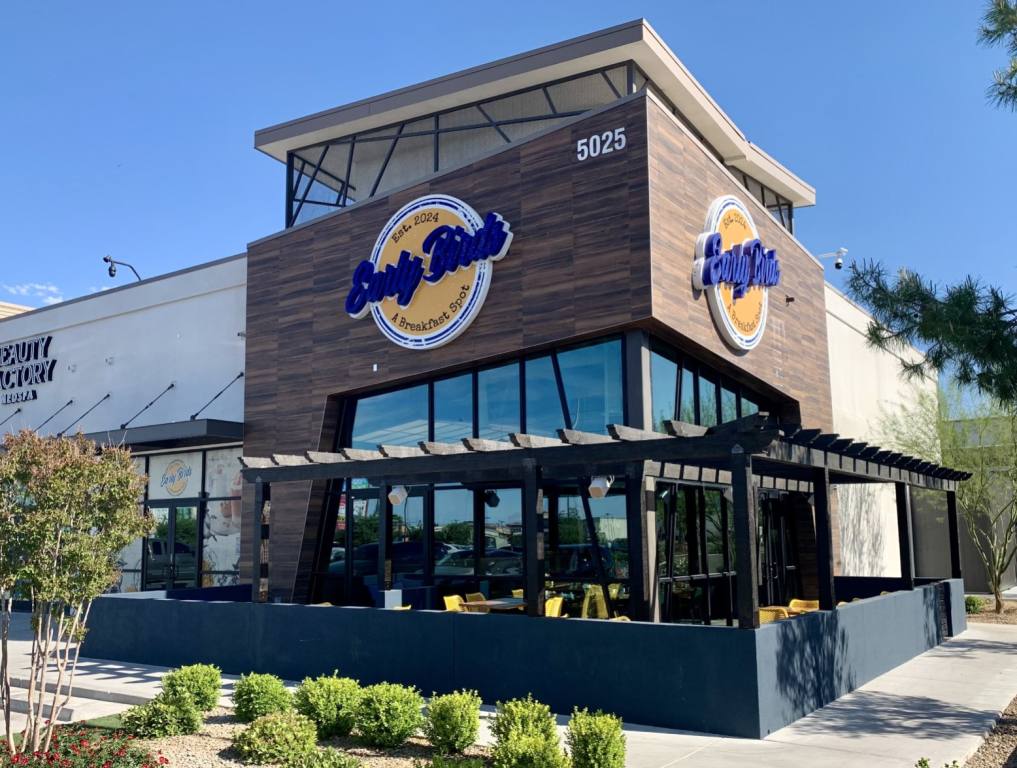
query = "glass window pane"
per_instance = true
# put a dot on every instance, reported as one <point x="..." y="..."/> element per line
<point x="498" y="402"/>
<point x="581" y="94"/>
<point x="368" y="156"/>
<point x="714" y="530"/>
<point x="748" y="406"/>
<point x="408" y="538"/>
<point x="457" y="148"/>
<point x="573" y="556"/>
<point x="174" y="475"/>
<point x="517" y="131"/>
<point x="453" y="534"/>
<point x="619" y="77"/>
<point x="412" y="159"/>
<point x="393" y="418"/>
<point x="593" y="385"/>
<point x="503" y="533"/>
<point x="543" y="405"/>
<point x="453" y="409"/>
<point x="222" y="473"/>
<point x="728" y="405"/>
<point x="528" y="104"/>
<point x="664" y="386"/>
<point x="365" y="528"/>
<point x="687" y="404"/>
<point x="707" y="401"/>
<point x="462" y="117"/>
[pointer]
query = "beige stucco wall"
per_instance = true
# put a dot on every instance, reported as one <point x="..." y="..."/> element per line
<point x="865" y="382"/>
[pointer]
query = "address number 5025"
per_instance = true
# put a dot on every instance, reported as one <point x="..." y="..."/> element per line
<point x="601" y="144"/>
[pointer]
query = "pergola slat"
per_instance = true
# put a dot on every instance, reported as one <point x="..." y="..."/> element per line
<point x="483" y="444"/>
<point x="677" y="428"/>
<point x="255" y="462"/>
<point x="442" y="449"/>
<point x="631" y="434"/>
<point x="522" y="440"/>
<point x="360" y="454"/>
<point x="575" y="437"/>
<point x="289" y="460"/>
<point x="324" y="457"/>
<point x="400" y="451"/>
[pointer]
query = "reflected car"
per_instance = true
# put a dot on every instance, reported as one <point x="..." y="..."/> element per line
<point x="404" y="555"/>
<point x="579" y="561"/>
<point x="497" y="562"/>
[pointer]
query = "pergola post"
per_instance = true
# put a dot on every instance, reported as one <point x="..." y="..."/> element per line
<point x="533" y="540"/>
<point x="745" y="539"/>
<point x="907" y="550"/>
<point x="824" y="539"/>
<point x="954" y="530"/>
<point x="259" y="541"/>
<point x="639" y="532"/>
<point x="384" y="539"/>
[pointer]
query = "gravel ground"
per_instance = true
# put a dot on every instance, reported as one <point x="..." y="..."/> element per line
<point x="988" y="613"/>
<point x="212" y="747"/>
<point x="1000" y="749"/>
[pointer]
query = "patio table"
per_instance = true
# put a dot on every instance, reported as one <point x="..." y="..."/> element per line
<point x="498" y="604"/>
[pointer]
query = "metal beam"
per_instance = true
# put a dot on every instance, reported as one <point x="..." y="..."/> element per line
<point x="954" y="531"/>
<point x="905" y="538"/>
<point x="744" y="511"/>
<point x="533" y="538"/>
<point x="824" y="539"/>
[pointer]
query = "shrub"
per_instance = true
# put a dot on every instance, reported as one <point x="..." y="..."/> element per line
<point x="595" y="741"/>
<point x="280" y="737"/>
<point x="389" y="714"/>
<point x="201" y="682"/>
<point x="331" y="702"/>
<point x="165" y="715"/>
<point x="326" y="758"/>
<point x="451" y="762"/>
<point x="453" y="721"/>
<point x="524" y="717"/>
<point x="258" y="695"/>
<point x="973" y="604"/>
<point x="532" y="750"/>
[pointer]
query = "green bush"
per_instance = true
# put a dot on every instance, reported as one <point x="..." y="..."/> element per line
<point x="533" y="750"/>
<point x="973" y="604"/>
<point x="451" y="762"/>
<point x="389" y="714"/>
<point x="280" y="737"/>
<point x="595" y="741"/>
<point x="331" y="702"/>
<point x="453" y="721"/>
<point x="325" y="758"/>
<point x="201" y="682"/>
<point x="165" y="715"/>
<point x="524" y="717"/>
<point x="258" y="695"/>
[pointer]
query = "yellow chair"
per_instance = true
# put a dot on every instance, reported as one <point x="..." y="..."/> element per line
<point x="402" y="607"/>
<point x="553" y="606"/>
<point x="621" y="618"/>
<point x="454" y="603"/>
<point x="517" y="593"/>
<point x="772" y="614"/>
<point x="594" y="604"/>
<point x="475" y="597"/>
<point x="803" y="605"/>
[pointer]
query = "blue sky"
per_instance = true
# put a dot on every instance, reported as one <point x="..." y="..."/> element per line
<point x="128" y="127"/>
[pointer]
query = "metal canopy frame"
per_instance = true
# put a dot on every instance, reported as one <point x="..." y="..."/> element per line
<point x="747" y="453"/>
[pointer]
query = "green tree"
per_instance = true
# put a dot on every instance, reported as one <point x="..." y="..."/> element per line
<point x="967" y="329"/>
<point x="999" y="27"/>
<point x="66" y="512"/>
<point x="975" y="435"/>
<point x="458" y="533"/>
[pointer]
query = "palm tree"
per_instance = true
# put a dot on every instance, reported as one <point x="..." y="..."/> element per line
<point x="999" y="27"/>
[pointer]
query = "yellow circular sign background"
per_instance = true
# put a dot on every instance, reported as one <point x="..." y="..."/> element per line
<point x="745" y="313"/>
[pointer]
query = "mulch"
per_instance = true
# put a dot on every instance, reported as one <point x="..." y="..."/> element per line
<point x="1000" y="749"/>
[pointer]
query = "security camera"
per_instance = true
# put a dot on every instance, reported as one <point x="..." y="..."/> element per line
<point x="839" y="263"/>
<point x="112" y="267"/>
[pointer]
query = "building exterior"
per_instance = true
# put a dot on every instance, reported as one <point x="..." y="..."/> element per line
<point x="624" y="256"/>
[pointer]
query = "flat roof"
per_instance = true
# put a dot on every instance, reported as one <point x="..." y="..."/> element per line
<point x="635" y="40"/>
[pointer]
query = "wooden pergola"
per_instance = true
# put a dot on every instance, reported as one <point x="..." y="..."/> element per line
<point x="745" y="454"/>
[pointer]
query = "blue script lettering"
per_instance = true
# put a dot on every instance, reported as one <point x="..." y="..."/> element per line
<point x="743" y="266"/>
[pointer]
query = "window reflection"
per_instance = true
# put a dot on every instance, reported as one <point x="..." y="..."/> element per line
<point x="453" y="408"/>
<point x="408" y="539"/>
<point x="453" y="534"/>
<point x="392" y="418"/>
<point x="498" y="402"/>
<point x="663" y="383"/>
<point x="543" y="405"/>
<point x="592" y="377"/>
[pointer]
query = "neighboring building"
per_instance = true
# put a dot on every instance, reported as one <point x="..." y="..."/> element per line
<point x="7" y="309"/>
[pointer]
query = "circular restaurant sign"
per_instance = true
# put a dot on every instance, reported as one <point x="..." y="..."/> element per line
<point x="736" y="271"/>
<point x="429" y="272"/>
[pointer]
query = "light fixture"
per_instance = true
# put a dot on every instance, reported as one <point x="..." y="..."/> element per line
<point x="599" y="486"/>
<point x="837" y="256"/>
<point x="397" y="495"/>
<point x="491" y="498"/>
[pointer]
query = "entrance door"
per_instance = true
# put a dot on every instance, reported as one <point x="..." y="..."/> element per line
<point x="171" y="560"/>
<point x="779" y="580"/>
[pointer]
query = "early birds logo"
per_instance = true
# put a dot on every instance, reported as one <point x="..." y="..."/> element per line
<point x="736" y="271"/>
<point x="175" y="477"/>
<point x="430" y="270"/>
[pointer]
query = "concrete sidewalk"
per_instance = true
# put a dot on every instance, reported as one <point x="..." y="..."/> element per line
<point x="939" y="705"/>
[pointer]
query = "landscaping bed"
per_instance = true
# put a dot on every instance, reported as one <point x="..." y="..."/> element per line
<point x="986" y="614"/>
<point x="1000" y="748"/>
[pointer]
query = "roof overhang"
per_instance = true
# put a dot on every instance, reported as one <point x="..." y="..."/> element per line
<point x="636" y="41"/>
<point x="176" y="434"/>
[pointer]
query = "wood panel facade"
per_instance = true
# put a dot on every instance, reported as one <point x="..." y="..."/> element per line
<point x="599" y="246"/>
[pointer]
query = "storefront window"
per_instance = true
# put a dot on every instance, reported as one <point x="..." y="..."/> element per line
<point x="392" y="418"/>
<point x="453" y="409"/>
<point x="408" y="539"/>
<point x="174" y="475"/>
<point x="592" y="377"/>
<point x="707" y="401"/>
<point x="687" y="402"/>
<point x="498" y="402"/>
<point x="453" y="534"/>
<point x="503" y="535"/>
<point x="543" y="405"/>
<point x="663" y="383"/>
<point x="220" y="553"/>
<point x="728" y="405"/>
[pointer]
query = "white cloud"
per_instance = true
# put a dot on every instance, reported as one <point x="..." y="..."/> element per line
<point x="46" y="293"/>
